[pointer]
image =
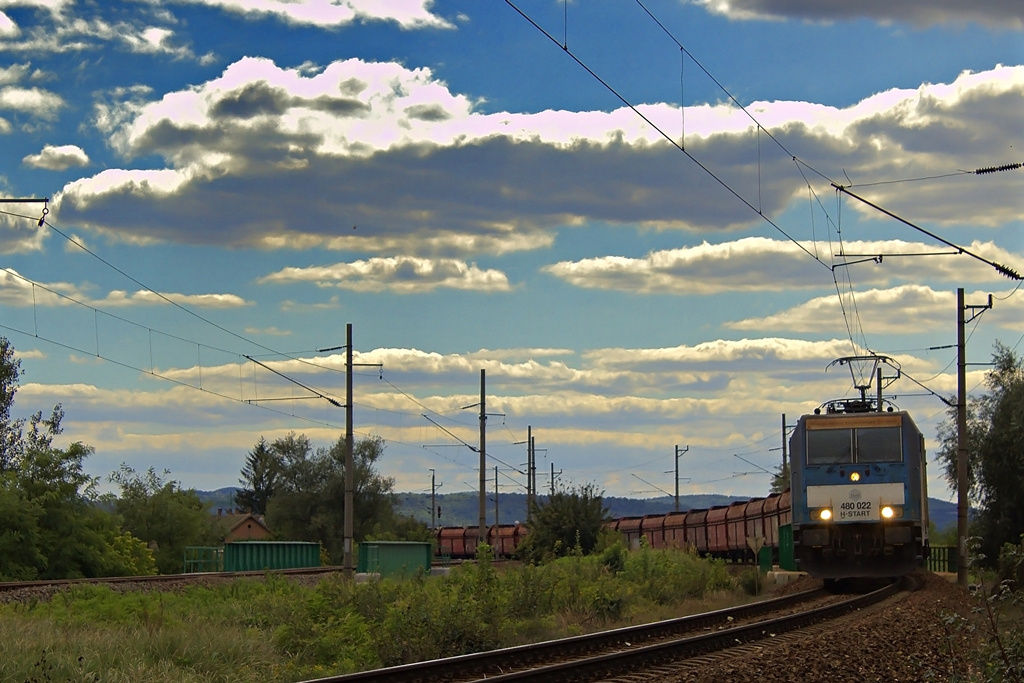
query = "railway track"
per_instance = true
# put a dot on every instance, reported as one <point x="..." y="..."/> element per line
<point x="159" y="579"/>
<point x="600" y="656"/>
<point x="175" y="579"/>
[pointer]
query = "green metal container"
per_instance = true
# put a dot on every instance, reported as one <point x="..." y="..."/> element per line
<point x="247" y="556"/>
<point x="394" y="558"/>
<point x="786" y="559"/>
<point x="203" y="559"/>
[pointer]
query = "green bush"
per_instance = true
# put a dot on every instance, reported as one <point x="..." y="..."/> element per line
<point x="751" y="581"/>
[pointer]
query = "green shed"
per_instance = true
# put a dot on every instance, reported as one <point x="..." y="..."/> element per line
<point x="394" y="558"/>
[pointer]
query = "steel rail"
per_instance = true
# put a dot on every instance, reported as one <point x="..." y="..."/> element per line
<point x="7" y="586"/>
<point x="493" y="663"/>
<point x="637" y="658"/>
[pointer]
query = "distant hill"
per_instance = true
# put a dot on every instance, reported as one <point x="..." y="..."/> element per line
<point x="942" y="513"/>
<point x="221" y="499"/>
<point x="462" y="509"/>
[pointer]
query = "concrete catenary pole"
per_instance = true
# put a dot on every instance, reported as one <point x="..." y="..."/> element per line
<point x="961" y="442"/>
<point x="678" y="453"/>
<point x="784" y="451"/>
<point x="482" y="532"/>
<point x="529" y="469"/>
<point x="433" y="504"/>
<point x="350" y="475"/>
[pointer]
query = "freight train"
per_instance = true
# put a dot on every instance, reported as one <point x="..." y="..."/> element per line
<point x="856" y="506"/>
<point x="720" y="532"/>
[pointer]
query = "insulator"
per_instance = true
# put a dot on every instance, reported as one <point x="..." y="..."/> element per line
<point x="996" y="169"/>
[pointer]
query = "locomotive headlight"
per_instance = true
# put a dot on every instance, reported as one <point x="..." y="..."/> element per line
<point x="891" y="511"/>
<point x="824" y="514"/>
<point x="854" y="476"/>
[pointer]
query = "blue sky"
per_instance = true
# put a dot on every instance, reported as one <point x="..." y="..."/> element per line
<point x="653" y="260"/>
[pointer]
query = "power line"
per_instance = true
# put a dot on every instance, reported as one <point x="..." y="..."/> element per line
<point x="679" y="146"/>
<point x="185" y="309"/>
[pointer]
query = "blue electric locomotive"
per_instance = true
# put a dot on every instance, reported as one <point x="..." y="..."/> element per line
<point x="859" y="491"/>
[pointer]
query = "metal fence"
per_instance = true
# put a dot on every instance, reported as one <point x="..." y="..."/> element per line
<point x="942" y="559"/>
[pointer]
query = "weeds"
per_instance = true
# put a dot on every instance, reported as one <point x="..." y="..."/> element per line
<point x="996" y="619"/>
<point x="275" y="630"/>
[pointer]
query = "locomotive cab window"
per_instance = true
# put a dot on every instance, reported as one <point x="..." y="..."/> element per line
<point x="829" y="447"/>
<point x="880" y="444"/>
<point x="847" y="446"/>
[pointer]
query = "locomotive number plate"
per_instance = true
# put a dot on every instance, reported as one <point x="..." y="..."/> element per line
<point x="856" y="511"/>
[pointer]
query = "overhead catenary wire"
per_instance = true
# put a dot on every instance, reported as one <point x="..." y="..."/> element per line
<point x="165" y="298"/>
<point x="679" y="146"/>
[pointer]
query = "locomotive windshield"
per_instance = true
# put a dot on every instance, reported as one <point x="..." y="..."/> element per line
<point x="881" y="444"/>
<point x="830" y="447"/>
<point x="847" y="446"/>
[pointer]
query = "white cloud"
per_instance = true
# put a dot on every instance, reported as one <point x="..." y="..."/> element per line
<point x="8" y="29"/>
<point x="411" y="163"/>
<point x="907" y="309"/>
<point x="1004" y="14"/>
<point x="19" y="236"/>
<point x="14" y="73"/>
<point x="18" y="291"/>
<point x="57" y="29"/>
<point x="272" y="331"/>
<point x="57" y="158"/>
<point x="409" y="14"/>
<point x="761" y="264"/>
<point x="34" y="101"/>
<point x="118" y="298"/>
<point x="400" y="275"/>
<point x="152" y="40"/>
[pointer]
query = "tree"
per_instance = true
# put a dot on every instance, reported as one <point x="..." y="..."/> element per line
<point x="259" y="478"/>
<point x="50" y="524"/>
<point x="780" y="479"/>
<point x="163" y="515"/>
<point x="995" y="442"/>
<point x="571" y="516"/>
<point x="10" y="430"/>
<point x="309" y="500"/>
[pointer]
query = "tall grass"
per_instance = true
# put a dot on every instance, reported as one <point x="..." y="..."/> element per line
<point x="275" y="630"/>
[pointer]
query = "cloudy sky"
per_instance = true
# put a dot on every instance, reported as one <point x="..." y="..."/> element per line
<point x="625" y="213"/>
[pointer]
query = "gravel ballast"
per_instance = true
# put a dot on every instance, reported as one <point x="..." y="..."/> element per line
<point x="910" y="640"/>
